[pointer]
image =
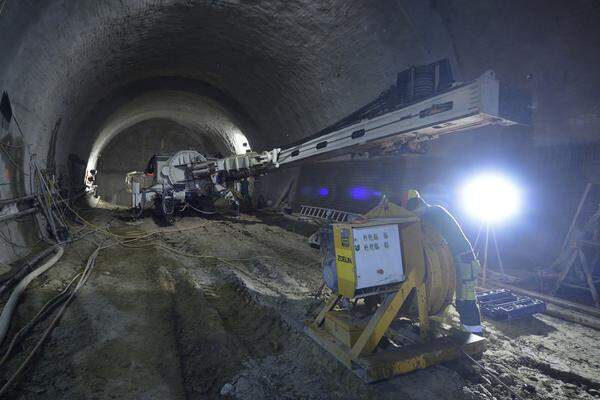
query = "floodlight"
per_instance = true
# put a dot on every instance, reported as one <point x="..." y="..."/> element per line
<point x="491" y="197"/>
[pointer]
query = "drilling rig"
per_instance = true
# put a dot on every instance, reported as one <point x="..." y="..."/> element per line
<point x="389" y="258"/>
<point x="424" y="104"/>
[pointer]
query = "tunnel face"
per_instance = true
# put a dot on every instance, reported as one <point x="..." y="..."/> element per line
<point x="126" y="151"/>
<point x="204" y="116"/>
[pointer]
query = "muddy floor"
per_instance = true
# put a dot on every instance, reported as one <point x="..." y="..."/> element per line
<point x="221" y="316"/>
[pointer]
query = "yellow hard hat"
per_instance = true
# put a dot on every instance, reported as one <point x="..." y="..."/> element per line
<point x="410" y="194"/>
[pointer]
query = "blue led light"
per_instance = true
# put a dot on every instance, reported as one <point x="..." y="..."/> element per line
<point x="323" y="192"/>
<point x="360" y="193"/>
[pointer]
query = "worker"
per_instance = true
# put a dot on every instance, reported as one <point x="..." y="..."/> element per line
<point x="245" y="189"/>
<point x="465" y="263"/>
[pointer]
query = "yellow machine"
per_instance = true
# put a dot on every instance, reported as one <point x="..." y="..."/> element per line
<point x="404" y="271"/>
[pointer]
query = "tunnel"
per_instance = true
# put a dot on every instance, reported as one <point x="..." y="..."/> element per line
<point x="92" y="90"/>
<point x="271" y="73"/>
<point x="276" y="71"/>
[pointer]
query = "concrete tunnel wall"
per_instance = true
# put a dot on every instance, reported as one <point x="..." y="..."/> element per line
<point x="275" y="70"/>
<point x="292" y="67"/>
<point x="280" y="69"/>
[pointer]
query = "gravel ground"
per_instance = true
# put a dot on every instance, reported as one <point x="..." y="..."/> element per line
<point x="153" y="324"/>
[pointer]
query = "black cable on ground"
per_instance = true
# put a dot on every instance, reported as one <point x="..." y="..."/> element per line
<point x="41" y="314"/>
<point x="16" y="274"/>
<point x="199" y="210"/>
<point x="83" y="278"/>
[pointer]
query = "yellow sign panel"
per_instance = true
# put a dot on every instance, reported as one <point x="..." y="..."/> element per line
<point x="344" y="253"/>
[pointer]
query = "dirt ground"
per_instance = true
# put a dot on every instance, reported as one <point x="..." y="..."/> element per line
<point x="152" y="324"/>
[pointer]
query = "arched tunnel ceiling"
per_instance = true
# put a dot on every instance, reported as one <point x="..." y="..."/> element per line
<point x="286" y="68"/>
<point x="291" y="66"/>
<point x="201" y="115"/>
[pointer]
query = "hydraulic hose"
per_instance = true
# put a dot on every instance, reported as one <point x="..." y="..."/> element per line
<point x="9" y="308"/>
<point x="15" y="273"/>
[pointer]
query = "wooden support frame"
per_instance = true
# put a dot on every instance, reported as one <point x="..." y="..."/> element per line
<point x="578" y="254"/>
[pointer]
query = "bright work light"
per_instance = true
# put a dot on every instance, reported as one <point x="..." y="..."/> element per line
<point x="491" y="197"/>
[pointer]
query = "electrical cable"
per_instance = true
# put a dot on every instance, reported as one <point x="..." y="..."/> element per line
<point x="108" y="232"/>
<point x="83" y="278"/>
<point x="43" y="200"/>
<point x="49" y="204"/>
<point x="42" y="313"/>
<point x="11" y="160"/>
<point x="52" y="185"/>
<point x="14" y="146"/>
<point x="199" y="210"/>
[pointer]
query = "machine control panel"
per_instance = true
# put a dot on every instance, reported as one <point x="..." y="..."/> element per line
<point x="378" y="256"/>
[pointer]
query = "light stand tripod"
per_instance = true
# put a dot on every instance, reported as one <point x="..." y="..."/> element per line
<point x="489" y="229"/>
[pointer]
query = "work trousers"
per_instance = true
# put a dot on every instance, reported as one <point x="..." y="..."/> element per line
<point x="466" y="300"/>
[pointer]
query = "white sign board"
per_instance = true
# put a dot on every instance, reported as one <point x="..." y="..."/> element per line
<point x="378" y="256"/>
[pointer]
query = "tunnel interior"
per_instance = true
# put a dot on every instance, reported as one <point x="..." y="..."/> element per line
<point x="273" y="72"/>
<point x="158" y="122"/>
<point x="102" y="87"/>
<point x="270" y="71"/>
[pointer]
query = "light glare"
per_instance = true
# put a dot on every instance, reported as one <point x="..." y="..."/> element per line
<point x="491" y="198"/>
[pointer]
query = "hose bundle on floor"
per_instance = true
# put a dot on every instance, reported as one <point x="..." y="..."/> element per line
<point x="9" y="308"/>
<point x="8" y="279"/>
<point x="63" y="298"/>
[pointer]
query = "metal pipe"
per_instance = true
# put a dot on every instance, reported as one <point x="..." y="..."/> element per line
<point x="27" y="211"/>
<point x="572" y="316"/>
<point x="4" y="202"/>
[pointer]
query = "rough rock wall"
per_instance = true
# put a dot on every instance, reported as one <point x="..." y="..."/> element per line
<point x="550" y="48"/>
